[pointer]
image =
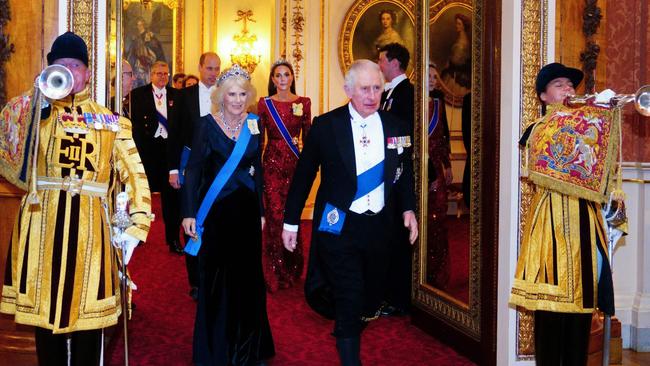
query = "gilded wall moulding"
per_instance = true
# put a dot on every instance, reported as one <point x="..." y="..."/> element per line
<point x="534" y="47"/>
<point x="82" y="20"/>
<point x="298" y="26"/>
<point x="283" y="29"/>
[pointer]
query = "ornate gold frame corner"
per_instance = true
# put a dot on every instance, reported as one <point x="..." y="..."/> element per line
<point x="351" y="20"/>
<point x="534" y="48"/>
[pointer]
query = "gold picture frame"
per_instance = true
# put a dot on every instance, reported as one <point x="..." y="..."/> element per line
<point x="364" y="31"/>
<point x="159" y="23"/>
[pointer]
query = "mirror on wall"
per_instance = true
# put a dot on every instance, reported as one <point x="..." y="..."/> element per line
<point x="448" y="144"/>
<point x="455" y="263"/>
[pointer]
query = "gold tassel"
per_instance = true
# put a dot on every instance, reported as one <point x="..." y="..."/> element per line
<point x="32" y="198"/>
<point x="617" y="193"/>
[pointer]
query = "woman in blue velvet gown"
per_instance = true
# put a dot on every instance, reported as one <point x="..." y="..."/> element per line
<point x="231" y="326"/>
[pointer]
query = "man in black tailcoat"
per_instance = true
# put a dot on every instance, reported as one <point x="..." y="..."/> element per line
<point x="365" y="161"/>
<point x="152" y="111"/>
<point x="194" y="103"/>
<point x="397" y="99"/>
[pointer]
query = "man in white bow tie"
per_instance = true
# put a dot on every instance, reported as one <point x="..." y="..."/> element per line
<point x="397" y="99"/>
<point x="366" y="174"/>
<point x="152" y="110"/>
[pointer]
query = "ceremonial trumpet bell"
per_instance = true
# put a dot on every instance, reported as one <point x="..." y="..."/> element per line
<point x="55" y="82"/>
<point x="641" y="100"/>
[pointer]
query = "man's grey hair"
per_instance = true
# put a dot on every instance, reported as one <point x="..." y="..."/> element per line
<point x="358" y="66"/>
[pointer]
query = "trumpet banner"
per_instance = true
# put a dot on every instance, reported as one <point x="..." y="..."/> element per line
<point x="573" y="150"/>
<point x="17" y="134"/>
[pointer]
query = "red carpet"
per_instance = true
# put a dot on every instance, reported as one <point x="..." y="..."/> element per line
<point x="458" y="286"/>
<point x="160" y="332"/>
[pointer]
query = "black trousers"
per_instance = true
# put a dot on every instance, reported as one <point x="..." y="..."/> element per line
<point x="398" y="289"/>
<point x="170" y="202"/>
<point x="52" y="349"/>
<point x="354" y="264"/>
<point x="561" y="339"/>
<point x="153" y="153"/>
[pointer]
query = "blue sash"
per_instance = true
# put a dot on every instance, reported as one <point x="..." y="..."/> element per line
<point x="281" y="127"/>
<point x="163" y="120"/>
<point x="193" y="246"/>
<point x="435" y="117"/>
<point x="369" y="180"/>
<point x="185" y="157"/>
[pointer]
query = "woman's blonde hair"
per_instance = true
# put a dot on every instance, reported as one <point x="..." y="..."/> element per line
<point x="229" y="78"/>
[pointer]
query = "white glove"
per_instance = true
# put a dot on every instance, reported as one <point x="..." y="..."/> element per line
<point x="130" y="283"/>
<point x="129" y="243"/>
<point x="604" y="96"/>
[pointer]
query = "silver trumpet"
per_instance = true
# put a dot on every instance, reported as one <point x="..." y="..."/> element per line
<point x="641" y="100"/>
<point x="55" y="82"/>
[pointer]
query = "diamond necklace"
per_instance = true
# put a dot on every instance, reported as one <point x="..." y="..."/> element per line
<point x="229" y="128"/>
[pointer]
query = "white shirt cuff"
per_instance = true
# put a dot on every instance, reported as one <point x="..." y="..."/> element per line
<point x="173" y="171"/>
<point x="292" y="228"/>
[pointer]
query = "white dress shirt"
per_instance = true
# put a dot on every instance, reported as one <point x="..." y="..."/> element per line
<point x="205" y="104"/>
<point x="160" y="100"/>
<point x="390" y="86"/>
<point x="367" y="156"/>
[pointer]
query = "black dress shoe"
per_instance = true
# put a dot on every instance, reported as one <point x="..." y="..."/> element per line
<point x="175" y="248"/>
<point x="194" y="293"/>
<point x="390" y="310"/>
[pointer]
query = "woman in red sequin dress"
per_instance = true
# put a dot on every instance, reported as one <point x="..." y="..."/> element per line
<point x="281" y="268"/>
<point x="440" y="176"/>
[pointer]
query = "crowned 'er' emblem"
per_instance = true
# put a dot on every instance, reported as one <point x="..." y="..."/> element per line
<point x="252" y="126"/>
<point x="333" y="217"/>
<point x="296" y="109"/>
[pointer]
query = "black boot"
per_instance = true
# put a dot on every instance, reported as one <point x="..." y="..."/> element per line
<point x="175" y="247"/>
<point x="349" y="351"/>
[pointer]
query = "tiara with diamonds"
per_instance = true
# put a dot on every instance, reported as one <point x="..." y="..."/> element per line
<point x="233" y="71"/>
<point x="280" y="61"/>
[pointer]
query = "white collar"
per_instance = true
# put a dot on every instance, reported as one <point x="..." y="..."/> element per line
<point x="159" y="91"/>
<point x="357" y="117"/>
<point x="205" y="87"/>
<point x="393" y="83"/>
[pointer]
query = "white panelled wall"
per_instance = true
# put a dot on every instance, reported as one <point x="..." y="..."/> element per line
<point x="631" y="261"/>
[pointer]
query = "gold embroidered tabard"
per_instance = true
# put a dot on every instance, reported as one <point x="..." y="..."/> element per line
<point x="63" y="272"/>
<point x="573" y="151"/>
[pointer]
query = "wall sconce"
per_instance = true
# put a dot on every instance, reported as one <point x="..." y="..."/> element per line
<point x="244" y="53"/>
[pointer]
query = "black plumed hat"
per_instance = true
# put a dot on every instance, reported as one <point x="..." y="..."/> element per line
<point x="68" y="45"/>
<point x="553" y="71"/>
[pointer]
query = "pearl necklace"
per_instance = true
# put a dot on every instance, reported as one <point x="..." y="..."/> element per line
<point x="230" y="129"/>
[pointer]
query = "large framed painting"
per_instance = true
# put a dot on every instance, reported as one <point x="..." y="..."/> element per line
<point x="152" y="31"/>
<point x="371" y="24"/>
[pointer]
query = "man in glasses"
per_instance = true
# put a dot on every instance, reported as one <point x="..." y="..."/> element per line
<point x="127" y="85"/>
<point x="152" y="110"/>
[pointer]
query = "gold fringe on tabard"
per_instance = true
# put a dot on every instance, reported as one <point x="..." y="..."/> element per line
<point x="559" y="181"/>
